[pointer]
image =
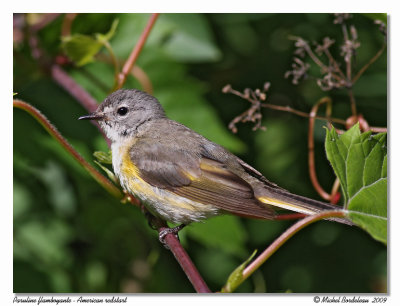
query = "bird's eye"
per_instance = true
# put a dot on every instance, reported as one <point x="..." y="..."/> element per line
<point x="122" y="111"/>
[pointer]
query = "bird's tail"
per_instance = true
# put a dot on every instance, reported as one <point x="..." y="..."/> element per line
<point x="281" y="198"/>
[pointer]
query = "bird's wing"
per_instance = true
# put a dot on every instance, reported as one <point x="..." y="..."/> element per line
<point x="198" y="178"/>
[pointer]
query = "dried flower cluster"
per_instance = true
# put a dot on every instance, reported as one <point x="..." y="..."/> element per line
<point x="335" y="74"/>
<point x="253" y="114"/>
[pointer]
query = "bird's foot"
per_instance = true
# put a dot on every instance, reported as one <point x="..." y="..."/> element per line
<point x="165" y="231"/>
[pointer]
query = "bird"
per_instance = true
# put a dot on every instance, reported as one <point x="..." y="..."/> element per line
<point x="181" y="176"/>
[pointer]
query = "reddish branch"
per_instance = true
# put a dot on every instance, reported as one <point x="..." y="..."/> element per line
<point x="76" y="91"/>
<point x="73" y="88"/>
<point x="172" y="243"/>
<point x="272" y="248"/>
<point x="130" y="62"/>
<point x="311" y="155"/>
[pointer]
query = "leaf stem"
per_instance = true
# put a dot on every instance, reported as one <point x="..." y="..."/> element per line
<point x="370" y="62"/>
<point x="114" y="61"/>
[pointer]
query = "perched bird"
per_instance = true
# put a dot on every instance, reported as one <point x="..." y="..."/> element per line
<point x="180" y="175"/>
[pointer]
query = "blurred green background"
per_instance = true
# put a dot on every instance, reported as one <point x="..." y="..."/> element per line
<point x="70" y="235"/>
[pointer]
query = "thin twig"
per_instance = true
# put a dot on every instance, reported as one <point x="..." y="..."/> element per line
<point x="67" y="24"/>
<point x="334" y="62"/>
<point x="311" y="155"/>
<point x="143" y="79"/>
<point x="51" y="129"/>
<point x="229" y="89"/>
<point x="114" y="61"/>
<point x="370" y="62"/>
<point x="294" y="216"/>
<point x="138" y="73"/>
<point x="377" y="129"/>
<point x="130" y="62"/>
<point x="348" y="62"/>
<point x="319" y="63"/>
<point x="352" y="102"/>
<point x="286" y="236"/>
<point x="335" y="194"/>
<point x="302" y="114"/>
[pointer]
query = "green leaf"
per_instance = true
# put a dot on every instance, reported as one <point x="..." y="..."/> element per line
<point x="360" y="163"/>
<point x="109" y="173"/>
<point x="81" y="49"/>
<point x="236" y="277"/>
<point x="103" y="157"/>
<point x="110" y="33"/>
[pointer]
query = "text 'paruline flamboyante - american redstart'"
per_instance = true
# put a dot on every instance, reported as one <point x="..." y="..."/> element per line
<point x="180" y="175"/>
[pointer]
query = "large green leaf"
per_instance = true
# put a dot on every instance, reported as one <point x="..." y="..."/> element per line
<point x="360" y="162"/>
<point x="82" y="48"/>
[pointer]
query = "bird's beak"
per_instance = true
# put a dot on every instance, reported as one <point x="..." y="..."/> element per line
<point x="92" y="116"/>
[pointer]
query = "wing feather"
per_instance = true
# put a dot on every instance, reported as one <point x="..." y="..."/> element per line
<point x="199" y="178"/>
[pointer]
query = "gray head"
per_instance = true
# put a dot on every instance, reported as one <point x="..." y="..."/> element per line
<point x="124" y="111"/>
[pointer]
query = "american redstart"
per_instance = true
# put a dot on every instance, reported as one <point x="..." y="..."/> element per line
<point x="181" y="176"/>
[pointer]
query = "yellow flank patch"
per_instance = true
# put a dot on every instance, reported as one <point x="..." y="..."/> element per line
<point x="285" y="205"/>
<point x="136" y="185"/>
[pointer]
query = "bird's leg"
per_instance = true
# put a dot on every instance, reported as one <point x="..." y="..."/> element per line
<point x="156" y="223"/>
<point x="165" y="231"/>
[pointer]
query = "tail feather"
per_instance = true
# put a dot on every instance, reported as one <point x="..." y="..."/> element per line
<point x="283" y="199"/>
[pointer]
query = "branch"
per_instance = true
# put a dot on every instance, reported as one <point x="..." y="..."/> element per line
<point x="256" y="104"/>
<point x="51" y="129"/>
<point x="76" y="91"/>
<point x="67" y="24"/>
<point x="130" y="62"/>
<point x="172" y="243"/>
<point x="286" y="236"/>
<point x="302" y="114"/>
<point x="370" y="62"/>
<point x="352" y="102"/>
<point x="311" y="156"/>
<point x="377" y="129"/>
